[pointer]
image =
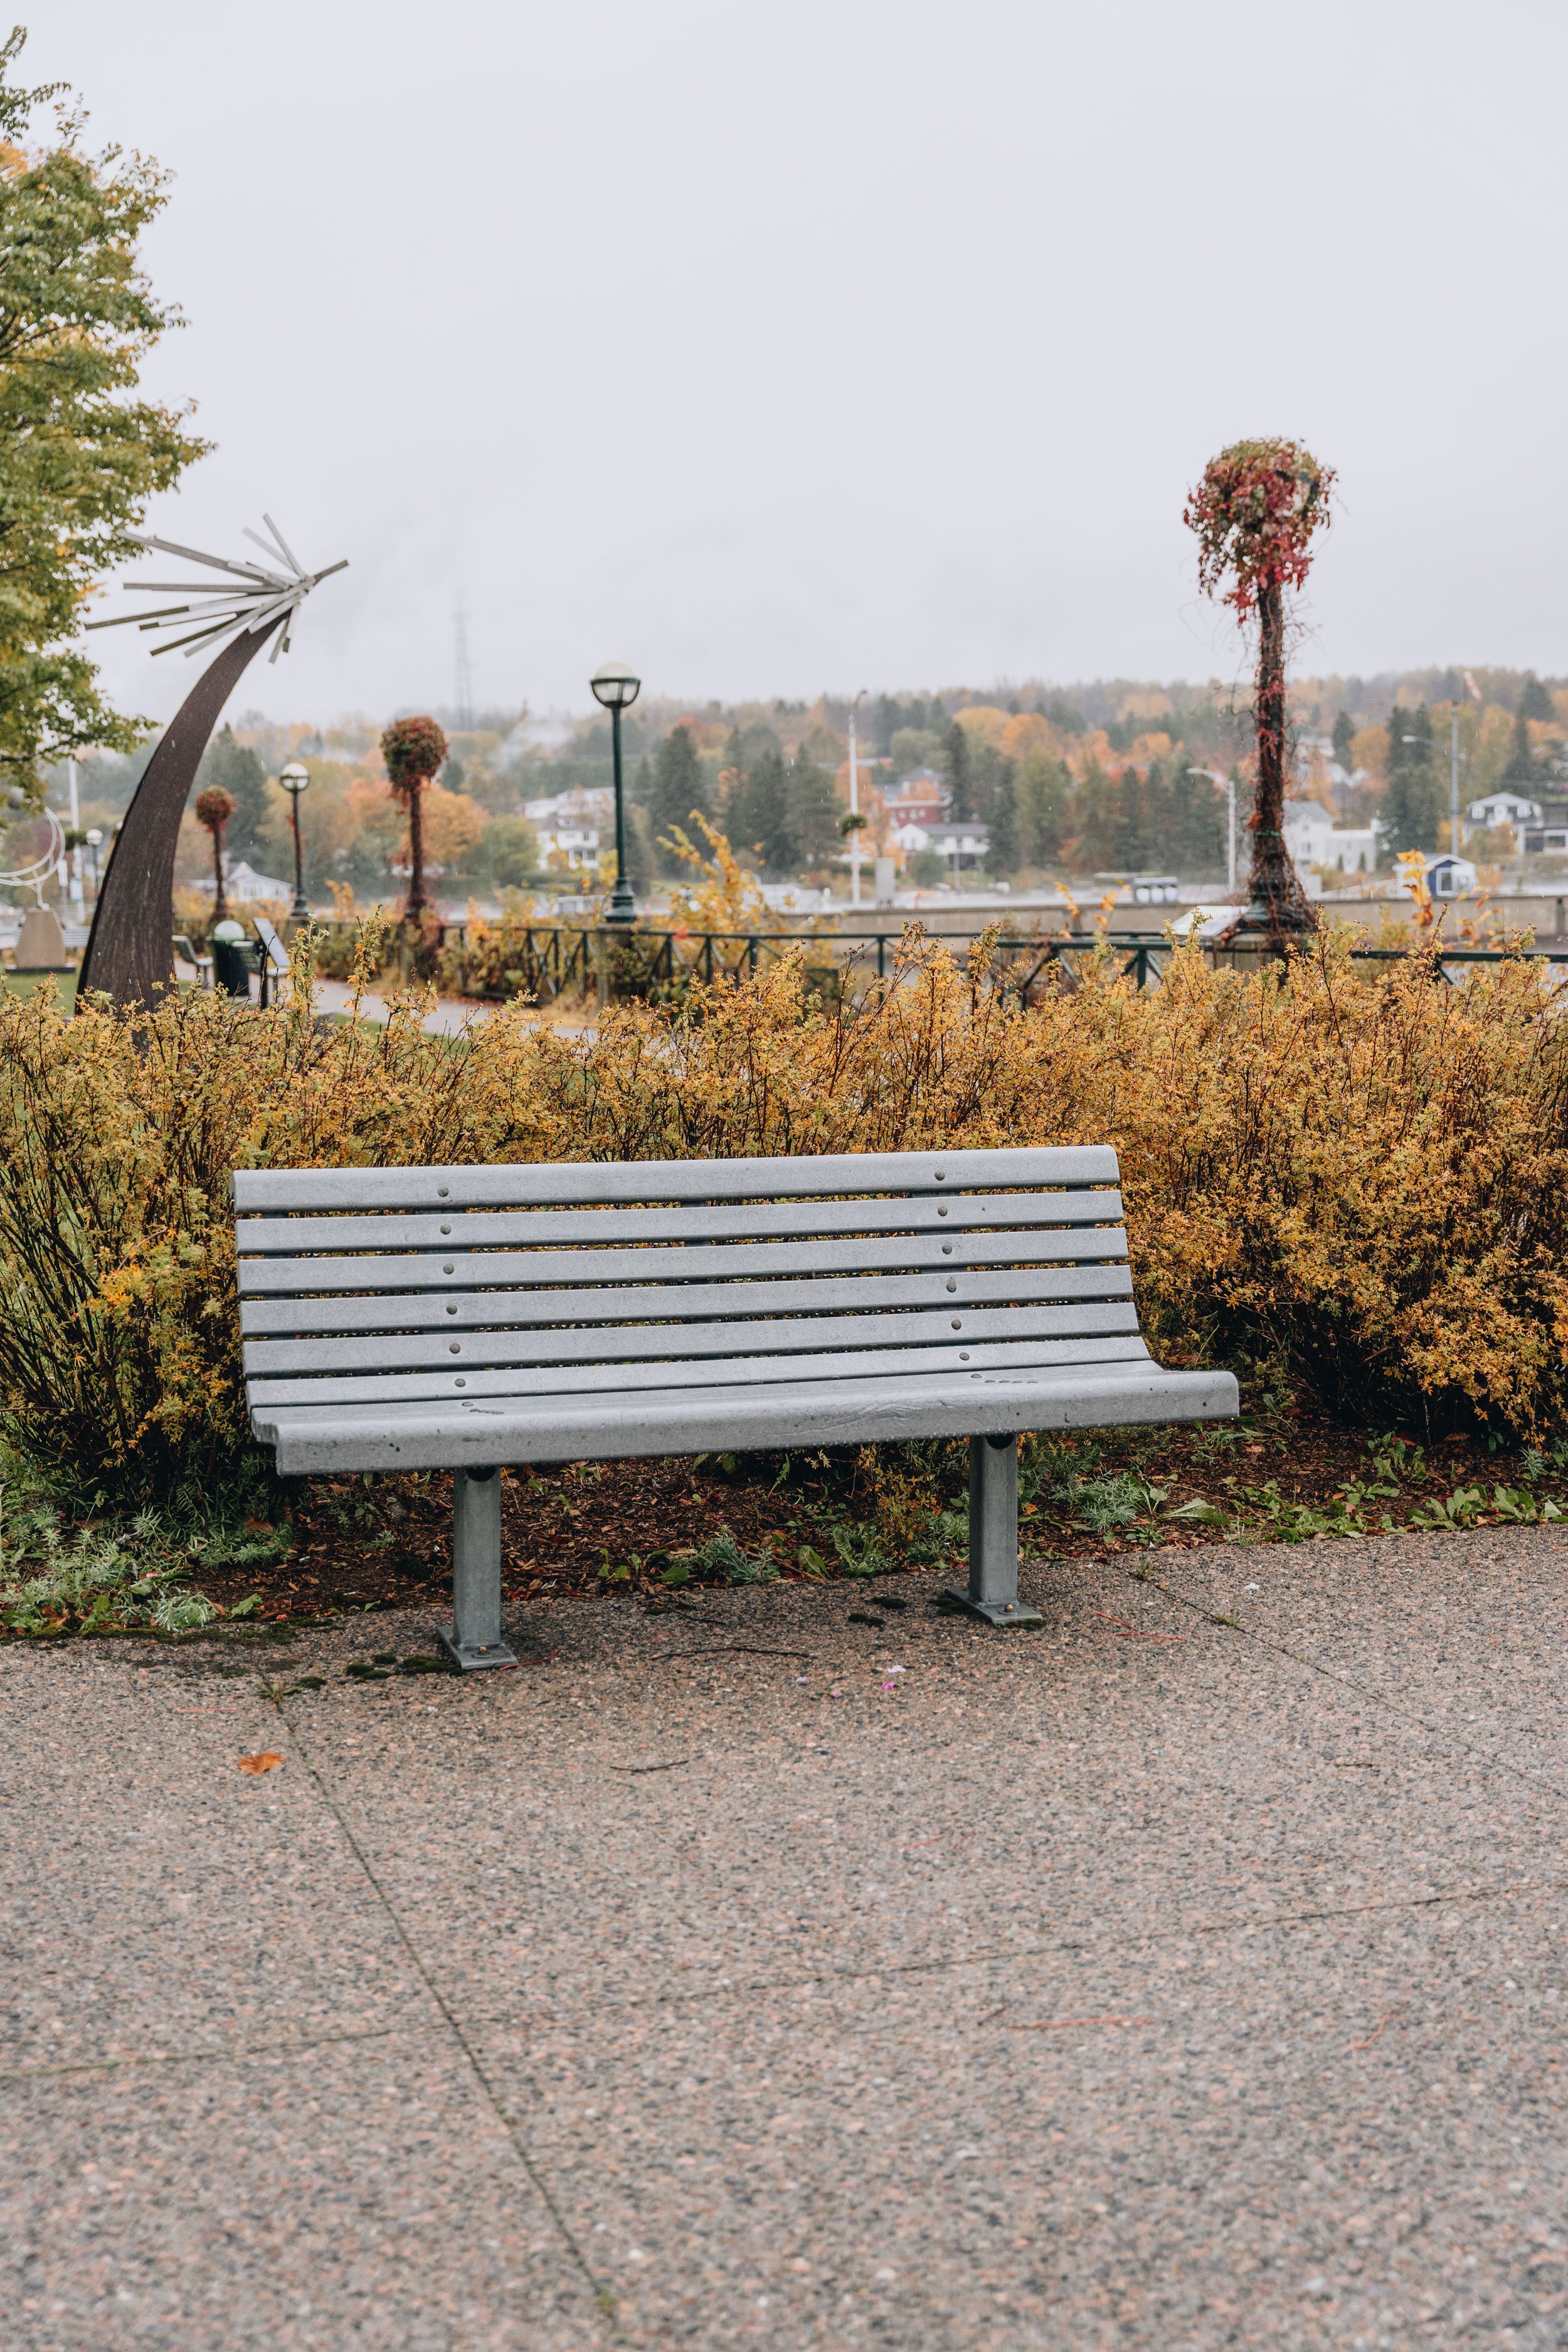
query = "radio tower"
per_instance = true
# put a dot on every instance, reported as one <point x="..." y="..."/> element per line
<point x="462" y="674"/>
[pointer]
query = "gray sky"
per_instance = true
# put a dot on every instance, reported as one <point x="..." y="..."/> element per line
<point x="775" y="347"/>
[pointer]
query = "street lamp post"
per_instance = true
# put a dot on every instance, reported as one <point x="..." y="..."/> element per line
<point x="94" y="843"/>
<point x="855" y="828"/>
<point x="294" y="778"/>
<point x="616" y="688"/>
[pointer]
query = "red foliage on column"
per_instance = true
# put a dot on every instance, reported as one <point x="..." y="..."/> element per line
<point x="1254" y="512"/>
<point x="415" y="750"/>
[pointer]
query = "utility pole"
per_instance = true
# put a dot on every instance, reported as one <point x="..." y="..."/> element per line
<point x="462" y="673"/>
<point x="1229" y="782"/>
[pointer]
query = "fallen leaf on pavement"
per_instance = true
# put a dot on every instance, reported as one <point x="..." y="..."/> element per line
<point x="266" y="1762"/>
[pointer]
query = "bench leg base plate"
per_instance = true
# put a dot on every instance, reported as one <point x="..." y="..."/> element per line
<point x="469" y="1658"/>
<point x="1006" y="1613"/>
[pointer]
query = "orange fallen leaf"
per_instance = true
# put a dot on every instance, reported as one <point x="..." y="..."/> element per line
<point x="266" y="1762"/>
<point x="1386" y="2019"/>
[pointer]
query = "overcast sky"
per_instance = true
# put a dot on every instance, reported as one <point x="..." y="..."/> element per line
<point x="787" y="345"/>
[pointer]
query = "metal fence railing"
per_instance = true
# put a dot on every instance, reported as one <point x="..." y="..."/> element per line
<point x="555" y="961"/>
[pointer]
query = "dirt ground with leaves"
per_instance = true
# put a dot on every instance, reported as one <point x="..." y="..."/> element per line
<point x="315" y="1551"/>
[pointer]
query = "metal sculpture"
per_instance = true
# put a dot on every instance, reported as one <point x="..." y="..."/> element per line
<point x="131" y="952"/>
<point x="37" y="872"/>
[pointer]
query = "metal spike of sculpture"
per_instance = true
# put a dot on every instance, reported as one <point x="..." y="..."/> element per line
<point x="130" y="953"/>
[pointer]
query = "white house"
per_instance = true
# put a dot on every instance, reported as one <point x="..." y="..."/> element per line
<point x="1307" y="828"/>
<point x="1354" y="848"/>
<point x="242" y="887"/>
<point x="572" y="823"/>
<point x="961" y="844"/>
<point x="1505" y="808"/>
<point x="1313" y="838"/>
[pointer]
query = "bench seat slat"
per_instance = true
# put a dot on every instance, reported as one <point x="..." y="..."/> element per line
<point x="653" y="1342"/>
<point x="563" y="1380"/>
<point x="706" y="1220"/>
<point x="616" y="1424"/>
<point x="566" y="1183"/>
<point x="464" y="1269"/>
<point x="459" y="1314"/>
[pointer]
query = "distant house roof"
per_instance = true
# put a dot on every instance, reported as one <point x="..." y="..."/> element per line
<point x="244" y="885"/>
<point x="916" y="797"/>
<point x="1505" y="804"/>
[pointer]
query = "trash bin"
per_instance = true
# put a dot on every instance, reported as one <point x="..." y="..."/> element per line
<point x="233" y="961"/>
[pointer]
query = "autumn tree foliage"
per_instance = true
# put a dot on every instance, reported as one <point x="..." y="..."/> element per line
<point x="1254" y="513"/>
<point x="80" y="454"/>
<point x="213" y="809"/>
<point x="415" y="750"/>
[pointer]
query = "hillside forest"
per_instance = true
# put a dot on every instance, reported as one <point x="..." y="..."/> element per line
<point x="1069" y="782"/>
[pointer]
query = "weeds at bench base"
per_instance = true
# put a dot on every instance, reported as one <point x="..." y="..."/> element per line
<point x="267" y="1553"/>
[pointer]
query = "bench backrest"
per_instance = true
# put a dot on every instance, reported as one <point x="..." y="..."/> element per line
<point x="365" y="1284"/>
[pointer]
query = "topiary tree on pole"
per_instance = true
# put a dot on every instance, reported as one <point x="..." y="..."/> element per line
<point x="213" y="809"/>
<point x="415" y="750"/>
<point x="1254" y="512"/>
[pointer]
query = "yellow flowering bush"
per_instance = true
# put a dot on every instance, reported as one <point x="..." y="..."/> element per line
<point x="1355" y="1165"/>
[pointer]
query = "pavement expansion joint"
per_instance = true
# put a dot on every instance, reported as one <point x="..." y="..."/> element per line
<point x="1493" y="1758"/>
<point x="240" y="2053"/>
<point x="603" y="2298"/>
<point x="609" y="2004"/>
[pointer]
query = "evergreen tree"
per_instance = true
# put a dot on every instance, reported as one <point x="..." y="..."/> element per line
<point x="1344" y="737"/>
<point x="1159" y="816"/>
<point x="1003" y="856"/>
<point x="1199" y="824"/>
<point x="1093" y="818"/>
<point x="960" y="779"/>
<point x="767" y="799"/>
<point x="1523" y="773"/>
<point x="1534" y="702"/>
<point x="814" y="810"/>
<point x="641" y="794"/>
<point x="679" y="787"/>
<point x="233" y="768"/>
<point x="988" y="768"/>
<point x="1130" y="827"/>
<point x="1042" y="787"/>
<point x="642" y="858"/>
<point x="1413" y="802"/>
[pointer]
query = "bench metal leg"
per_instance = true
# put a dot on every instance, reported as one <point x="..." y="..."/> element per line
<point x="475" y="1639"/>
<point x="992" y="1592"/>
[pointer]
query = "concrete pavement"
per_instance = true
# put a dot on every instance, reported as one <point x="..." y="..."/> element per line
<point x="745" y="1974"/>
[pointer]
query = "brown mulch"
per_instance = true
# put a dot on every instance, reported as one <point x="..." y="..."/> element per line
<point x="386" y="1544"/>
<point x="360" y="1545"/>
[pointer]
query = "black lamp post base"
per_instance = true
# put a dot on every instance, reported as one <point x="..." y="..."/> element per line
<point x="623" y="907"/>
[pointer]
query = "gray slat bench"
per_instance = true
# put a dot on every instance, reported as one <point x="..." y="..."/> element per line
<point x="421" y="1318"/>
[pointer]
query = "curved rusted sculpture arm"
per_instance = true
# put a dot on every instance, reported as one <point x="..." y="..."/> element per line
<point x="131" y="952"/>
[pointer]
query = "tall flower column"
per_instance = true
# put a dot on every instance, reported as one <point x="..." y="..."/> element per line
<point x="415" y="750"/>
<point x="1254" y="512"/>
